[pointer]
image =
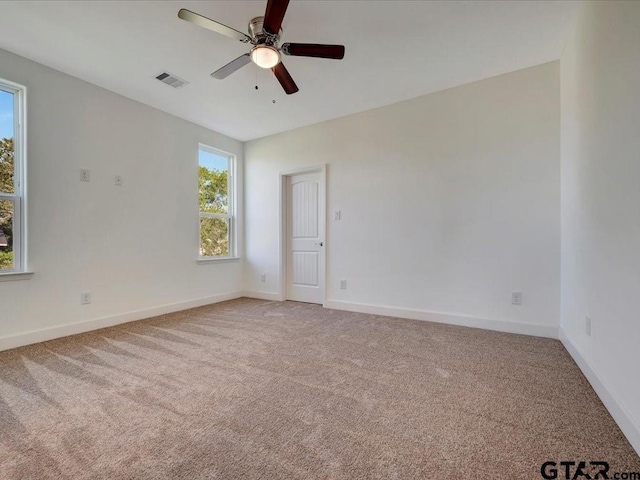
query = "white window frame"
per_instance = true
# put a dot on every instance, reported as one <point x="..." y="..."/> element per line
<point x="231" y="212"/>
<point x="19" y="197"/>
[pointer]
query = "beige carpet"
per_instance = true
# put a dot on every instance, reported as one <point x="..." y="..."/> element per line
<point x="249" y="389"/>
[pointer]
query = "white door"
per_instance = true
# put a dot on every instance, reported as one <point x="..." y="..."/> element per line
<point x="305" y="238"/>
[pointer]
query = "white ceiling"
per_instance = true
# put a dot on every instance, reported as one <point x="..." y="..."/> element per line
<point x="395" y="50"/>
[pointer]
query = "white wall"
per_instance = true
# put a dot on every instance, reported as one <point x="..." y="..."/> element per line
<point x="135" y="247"/>
<point x="449" y="202"/>
<point x="600" y="77"/>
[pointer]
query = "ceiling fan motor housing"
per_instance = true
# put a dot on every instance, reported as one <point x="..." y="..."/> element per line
<point x="259" y="35"/>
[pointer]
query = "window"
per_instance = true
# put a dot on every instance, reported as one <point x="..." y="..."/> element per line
<point x="12" y="188"/>
<point x="216" y="198"/>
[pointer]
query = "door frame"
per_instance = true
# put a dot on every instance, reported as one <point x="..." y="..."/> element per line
<point x="322" y="218"/>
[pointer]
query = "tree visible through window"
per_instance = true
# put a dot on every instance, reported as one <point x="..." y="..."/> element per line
<point x="215" y="178"/>
<point x="6" y="208"/>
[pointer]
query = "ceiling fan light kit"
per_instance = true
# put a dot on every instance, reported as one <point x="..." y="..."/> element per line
<point x="264" y="35"/>
<point x="265" y="56"/>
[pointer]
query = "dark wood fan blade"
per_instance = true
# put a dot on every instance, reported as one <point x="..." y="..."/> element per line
<point x="231" y="67"/>
<point x="283" y="76"/>
<point x="217" y="27"/>
<point x="314" y="50"/>
<point x="274" y="14"/>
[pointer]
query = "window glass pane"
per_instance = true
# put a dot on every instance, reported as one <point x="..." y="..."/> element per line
<point x="6" y="143"/>
<point x="6" y="235"/>
<point x="214" y="237"/>
<point x="213" y="183"/>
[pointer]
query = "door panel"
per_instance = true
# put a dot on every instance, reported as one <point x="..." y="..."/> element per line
<point x="305" y="269"/>
<point x="305" y="209"/>
<point x="305" y="255"/>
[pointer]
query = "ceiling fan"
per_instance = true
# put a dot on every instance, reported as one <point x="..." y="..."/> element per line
<point x="264" y="35"/>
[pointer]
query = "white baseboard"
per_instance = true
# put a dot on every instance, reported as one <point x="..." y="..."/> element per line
<point x="272" y="296"/>
<point x="451" y="319"/>
<point x="617" y="410"/>
<point x="42" y="335"/>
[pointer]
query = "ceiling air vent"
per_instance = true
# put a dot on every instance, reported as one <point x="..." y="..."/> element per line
<point x="171" y="80"/>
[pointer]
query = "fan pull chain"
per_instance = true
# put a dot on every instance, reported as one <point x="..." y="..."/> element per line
<point x="273" y="88"/>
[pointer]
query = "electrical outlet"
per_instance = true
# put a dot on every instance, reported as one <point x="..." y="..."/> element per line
<point x="516" y="298"/>
<point x="263" y="277"/>
<point x="343" y="284"/>
<point x="337" y="215"/>
<point x="117" y="181"/>
<point x="85" y="298"/>
<point x="587" y="326"/>
<point x="85" y="175"/>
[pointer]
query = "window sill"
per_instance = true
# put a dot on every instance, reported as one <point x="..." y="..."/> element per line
<point x="15" y="276"/>
<point x="203" y="261"/>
